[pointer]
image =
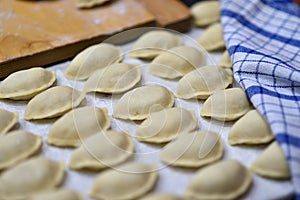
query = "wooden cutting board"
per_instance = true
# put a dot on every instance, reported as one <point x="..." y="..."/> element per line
<point x="38" y="33"/>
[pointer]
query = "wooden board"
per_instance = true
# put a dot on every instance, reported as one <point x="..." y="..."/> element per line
<point x="170" y="14"/>
<point x="38" y="33"/>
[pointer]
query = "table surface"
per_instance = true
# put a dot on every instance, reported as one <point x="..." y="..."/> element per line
<point x="171" y="180"/>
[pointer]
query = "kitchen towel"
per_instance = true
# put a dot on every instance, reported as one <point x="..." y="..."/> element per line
<point x="263" y="39"/>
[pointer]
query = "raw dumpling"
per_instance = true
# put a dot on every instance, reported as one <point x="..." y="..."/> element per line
<point x="31" y="176"/>
<point x="177" y="62"/>
<point x="161" y="197"/>
<point x="53" y="102"/>
<point x="63" y="194"/>
<point x="206" y="12"/>
<point x="194" y="149"/>
<point x="77" y="125"/>
<point x="223" y="180"/>
<point x="212" y="38"/>
<point x="91" y="59"/>
<point x="115" y="78"/>
<point x="102" y="150"/>
<point x="226" y="105"/>
<point x="202" y="82"/>
<point x="129" y="181"/>
<point x="250" y="129"/>
<point x="89" y="3"/>
<point x="152" y="43"/>
<point x="225" y="60"/>
<point x="17" y="146"/>
<point x="165" y="125"/>
<point x="271" y="163"/>
<point x="25" y="84"/>
<point x="7" y="120"/>
<point x="138" y="103"/>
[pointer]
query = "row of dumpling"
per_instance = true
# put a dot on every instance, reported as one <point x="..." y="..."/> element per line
<point x="45" y="101"/>
<point x="19" y="178"/>
<point x="23" y="177"/>
<point x="99" y="64"/>
<point x="38" y="178"/>
<point x="29" y="178"/>
<point x="100" y="150"/>
<point x="107" y="148"/>
<point x="206" y="14"/>
<point x="250" y="129"/>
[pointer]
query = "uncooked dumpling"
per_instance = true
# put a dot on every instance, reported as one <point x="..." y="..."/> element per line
<point x="62" y="194"/>
<point x="31" y="176"/>
<point x="138" y="103"/>
<point x="177" y="62"/>
<point x="161" y="196"/>
<point x="271" y="163"/>
<point x="225" y="60"/>
<point x="223" y="180"/>
<point x="102" y="150"/>
<point x="212" y="38"/>
<point x="206" y="12"/>
<point x="165" y="125"/>
<point x="77" y="125"/>
<point x="91" y="59"/>
<point x="7" y="120"/>
<point x="194" y="149"/>
<point x="25" y="84"/>
<point x="115" y="78"/>
<point x="202" y="82"/>
<point x="17" y="146"/>
<point x="89" y="3"/>
<point x="226" y="105"/>
<point x="128" y="181"/>
<point x="152" y="43"/>
<point x="53" y="102"/>
<point x="250" y="129"/>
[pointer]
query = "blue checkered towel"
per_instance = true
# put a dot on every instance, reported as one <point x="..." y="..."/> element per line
<point x="263" y="39"/>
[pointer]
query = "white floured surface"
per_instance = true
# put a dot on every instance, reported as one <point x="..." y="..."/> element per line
<point x="171" y="180"/>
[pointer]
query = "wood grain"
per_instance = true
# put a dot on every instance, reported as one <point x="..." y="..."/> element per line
<point x="171" y="14"/>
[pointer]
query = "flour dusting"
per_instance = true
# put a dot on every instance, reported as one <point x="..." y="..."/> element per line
<point x="119" y="8"/>
<point x="100" y="20"/>
<point x="7" y="15"/>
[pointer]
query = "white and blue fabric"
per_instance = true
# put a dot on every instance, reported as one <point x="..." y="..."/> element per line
<point x="263" y="39"/>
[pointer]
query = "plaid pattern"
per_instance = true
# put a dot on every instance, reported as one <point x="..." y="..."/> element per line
<point x="263" y="39"/>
